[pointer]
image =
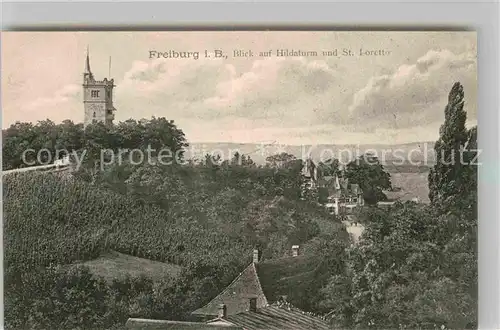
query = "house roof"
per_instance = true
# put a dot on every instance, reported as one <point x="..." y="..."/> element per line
<point x="339" y="186"/>
<point x="346" y="189"/>
<point x="266" y="281"/>
<point x="236" y="295"/>
<point x="133" y="323"/>
<point x="277" y="317"/>
<point x="309" y="169"/>
<point x="344" y="183"/>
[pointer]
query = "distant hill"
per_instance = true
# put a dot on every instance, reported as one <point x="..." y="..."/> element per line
<point x="413" y="154"/>
<point x="407" y="163"/>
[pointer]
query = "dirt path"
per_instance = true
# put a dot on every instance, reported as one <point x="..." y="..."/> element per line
<point x="354" y="230"/>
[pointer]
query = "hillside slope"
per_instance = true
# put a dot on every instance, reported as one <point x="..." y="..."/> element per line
<point x="419" y="153"/>
<point x="51" y="221"/>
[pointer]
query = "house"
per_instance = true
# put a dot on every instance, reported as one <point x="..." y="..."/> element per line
<point x="256" y="299"/>
<point x="280" y="316"/>
<point x="309" y="175"/>
<point x="343" y="197"/>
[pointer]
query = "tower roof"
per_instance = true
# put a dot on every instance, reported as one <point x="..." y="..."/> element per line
<point x="87" y="66"/>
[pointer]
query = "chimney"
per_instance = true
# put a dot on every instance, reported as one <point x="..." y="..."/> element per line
<point x="295" y="250"/>
<point x="256" y="255"/>
<point x="253" y="305"/>
<point x="222" y="311"/>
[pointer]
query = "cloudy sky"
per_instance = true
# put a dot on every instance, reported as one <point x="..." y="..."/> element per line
<point x="395" y="98"/>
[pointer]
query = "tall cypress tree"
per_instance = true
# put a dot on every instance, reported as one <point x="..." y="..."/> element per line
<point x="445" y="179"/>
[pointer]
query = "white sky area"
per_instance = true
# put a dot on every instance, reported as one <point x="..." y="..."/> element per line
<point x="391" y="99"/>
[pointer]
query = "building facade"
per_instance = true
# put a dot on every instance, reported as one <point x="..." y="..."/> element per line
<point x="97" y="98"/>
<point x="310" y="183"/>
<point x="344" y="198"/>
<point x="257" y="298"/>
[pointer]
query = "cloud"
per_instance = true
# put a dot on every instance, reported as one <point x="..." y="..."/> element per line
<point x="64" y="103"/>
<point x="275" y="89"/>
<point x="286" y="99"/>
<point x="293" y="92"/>
<point x="286" y="93"/>
<point x="66" y="94"/>
<point x="415" y="94"/>
<point x="170" y="88"/>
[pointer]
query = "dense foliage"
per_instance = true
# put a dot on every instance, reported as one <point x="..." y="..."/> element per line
<point x="415" y="266"/>
<point x="369" y="173"/>
<point x="205" y="216"/>
<point x="72" y="298"/>
<point x="68" y="221"/>
<point x="26" y="144"/>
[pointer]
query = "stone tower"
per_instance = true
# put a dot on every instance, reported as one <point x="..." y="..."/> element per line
<point x="97" y="98"/>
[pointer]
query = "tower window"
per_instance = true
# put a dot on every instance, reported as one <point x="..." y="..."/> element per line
<point x="94" y="114"/>
<point x="94" y="93"/>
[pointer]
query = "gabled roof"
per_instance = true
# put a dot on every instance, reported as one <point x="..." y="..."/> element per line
<point x="339" y="187"/>
<point x="237" y="295"/>
<point x="344" y="183"/>
<point x="309" y="169"/>
<point x="267" y="281"/>
<point x="275" y="317"/>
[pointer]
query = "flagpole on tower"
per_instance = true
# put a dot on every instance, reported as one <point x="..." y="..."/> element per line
<point x="109" y="71"/>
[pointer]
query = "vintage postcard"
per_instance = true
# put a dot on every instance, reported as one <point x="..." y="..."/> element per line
<point x="240" y="179"/>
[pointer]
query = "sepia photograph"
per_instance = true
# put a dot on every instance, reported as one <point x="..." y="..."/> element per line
<point x="247" y="180"/>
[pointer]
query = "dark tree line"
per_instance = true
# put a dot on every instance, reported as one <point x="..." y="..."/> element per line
<point x="57" y="139"/>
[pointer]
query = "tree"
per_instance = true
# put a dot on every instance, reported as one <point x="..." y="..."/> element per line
<point x="369" y="174"/>
<point x="281" y="160"/>
<point x="453" y="193"/>
<point x="444" y="177"/>
<point x="247" y="161"/>
<point x="56" y="298"/>
<point x="46" y="140"/>
<point x="70" y="137"/>
<point x="396" y="265"/>
<point x="329" y="168"/>
<point x="15" y="140"/>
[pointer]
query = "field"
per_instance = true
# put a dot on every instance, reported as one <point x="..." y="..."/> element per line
<point x="115" y="265"/>
<point x="411" y="185"/>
